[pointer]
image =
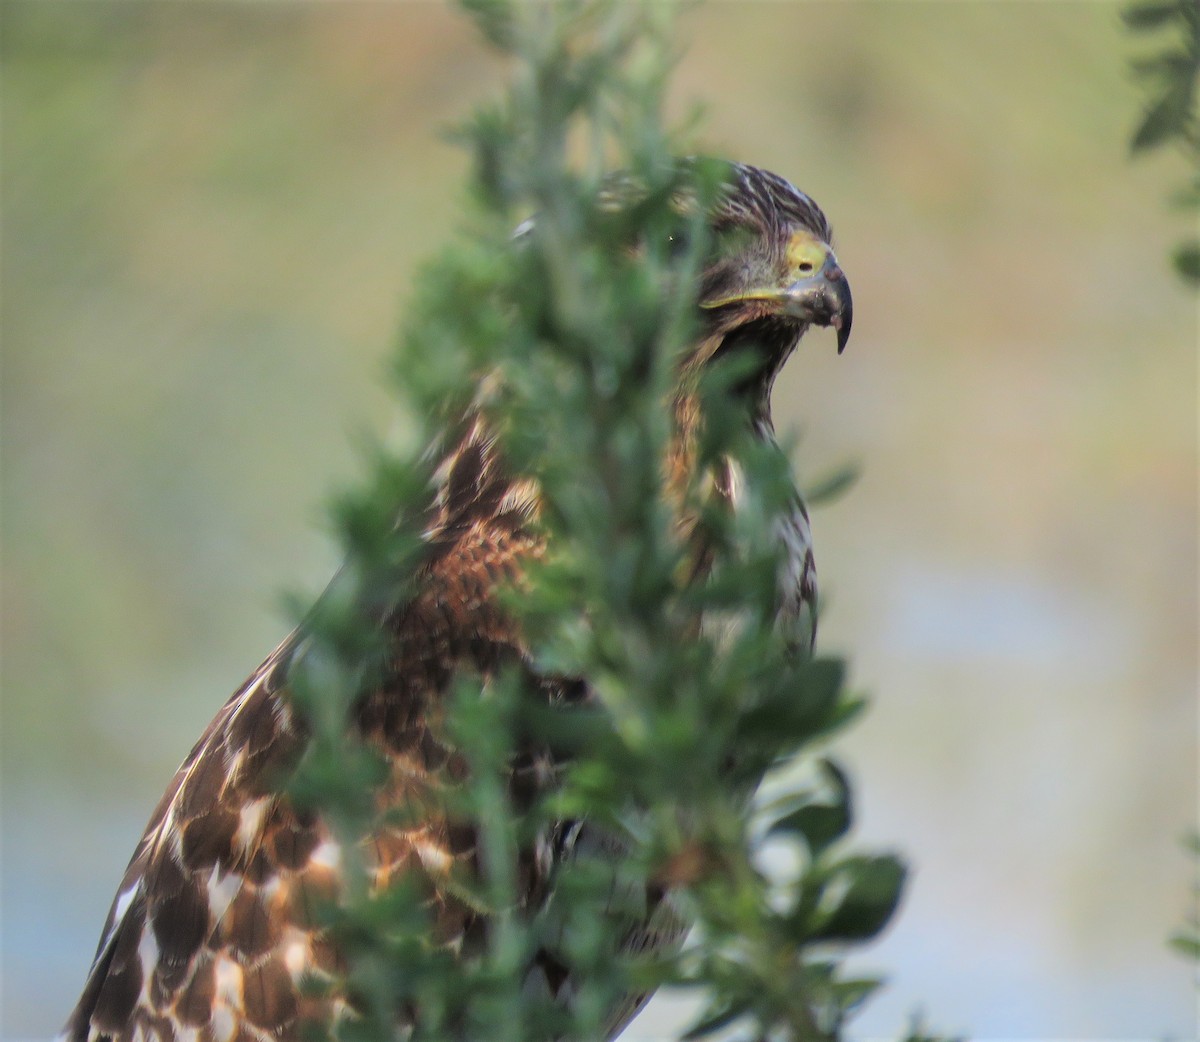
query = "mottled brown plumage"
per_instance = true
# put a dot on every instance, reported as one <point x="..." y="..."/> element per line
<point x="215" y="923"/>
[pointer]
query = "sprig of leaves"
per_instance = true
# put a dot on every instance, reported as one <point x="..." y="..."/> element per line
<point x="1187" y="940"/>
<point x="1170" y="80"/>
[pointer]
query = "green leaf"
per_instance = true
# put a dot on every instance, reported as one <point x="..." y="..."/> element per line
<point x="832" y="485"/>
<point x="801" y="710"/>
<point x="821" y="824"/>
<point x="873" y="889"/>
<point x="853" y="993"/>
<point x="1165" y="119"/>
<point x="918" y="1032"/>
<point x="847" y="709"/>
<point x="1154" y="15"/>
<point x="1171" y="66"/>
<point x="1187" y="261"/>
<point x="495" y="21"/>
<point x="1187" y="945"/>
<point x="714" y="1021"/>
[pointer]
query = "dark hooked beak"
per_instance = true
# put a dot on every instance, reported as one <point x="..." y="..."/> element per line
<point x="823" y="299"/>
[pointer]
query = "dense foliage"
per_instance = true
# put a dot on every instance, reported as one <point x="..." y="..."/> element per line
<point x="578" y="324"/>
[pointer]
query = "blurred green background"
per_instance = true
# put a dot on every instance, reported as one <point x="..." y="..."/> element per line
<point x="210" y="214"/>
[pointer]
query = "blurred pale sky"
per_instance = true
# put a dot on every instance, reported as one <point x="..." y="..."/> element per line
<point x="211" y="214"/>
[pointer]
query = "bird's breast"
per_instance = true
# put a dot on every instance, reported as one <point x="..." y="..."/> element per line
<point x="797" y="576"/>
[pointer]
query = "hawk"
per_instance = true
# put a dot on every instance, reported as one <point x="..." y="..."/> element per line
<point x="212" y="928"/>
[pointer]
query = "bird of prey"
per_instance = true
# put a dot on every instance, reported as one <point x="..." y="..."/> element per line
<point x="213" y="927"/>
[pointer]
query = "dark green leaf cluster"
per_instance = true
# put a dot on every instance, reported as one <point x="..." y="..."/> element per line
<point x="571" y="336"/>
<point x="1170" y="77"/>
<point x="1187" y="940"/>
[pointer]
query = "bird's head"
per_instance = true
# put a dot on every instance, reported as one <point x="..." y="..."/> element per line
<point x="771" y="273"/>
<point x="769" y="270"/>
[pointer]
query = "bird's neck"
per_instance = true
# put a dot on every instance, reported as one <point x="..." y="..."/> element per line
<point x="683" y="456"/>
<point x="765" y="344"/>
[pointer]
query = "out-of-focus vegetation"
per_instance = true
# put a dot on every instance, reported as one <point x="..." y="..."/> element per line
<point x="210" y="215"/>
<point x="1187" y="940"/>
<point x="581" y="340"/>
<point x="1170" y="118"/>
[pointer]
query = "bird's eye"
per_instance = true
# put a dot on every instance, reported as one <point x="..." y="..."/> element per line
<point x="805" y="266"/>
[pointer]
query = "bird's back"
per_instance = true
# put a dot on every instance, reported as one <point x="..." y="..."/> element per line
<point x="217" y="920"/>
